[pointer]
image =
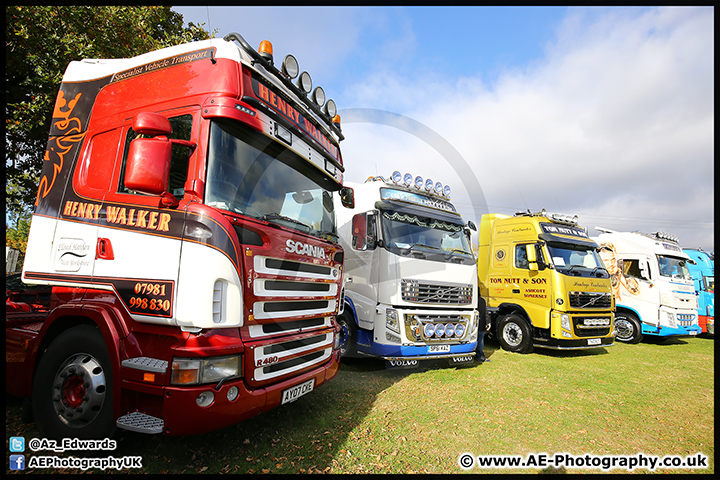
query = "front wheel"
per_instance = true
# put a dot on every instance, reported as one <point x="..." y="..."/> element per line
<point x="627" y="328"/>
<point x="514" y="334"/>
<point x="72" y="388"/>
<point x="348" y="336"/>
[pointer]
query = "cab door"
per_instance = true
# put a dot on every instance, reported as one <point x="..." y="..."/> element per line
<point x="531" y="283"/>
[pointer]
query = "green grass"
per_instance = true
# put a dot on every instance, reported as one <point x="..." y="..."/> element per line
<point x="656" y="397"/>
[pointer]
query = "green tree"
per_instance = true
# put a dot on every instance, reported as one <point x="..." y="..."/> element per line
<point x="40" y="41"/>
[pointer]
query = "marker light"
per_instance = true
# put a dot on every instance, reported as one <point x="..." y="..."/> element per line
<point x="396" y="177"/>
<point x="330" y="108"/>
<point x="438" y="188"/>
<point x="290" y="66"/>
<point x="266" y="50"/>
<point x="429" y="185"/>
<point x="336" y="119"/>
<point x="446" y="191"/>
<point x="318" y="96"/>
<point x="418" y="182"/>
<point x="304" y="82"/>
<point x="407" y="179"/>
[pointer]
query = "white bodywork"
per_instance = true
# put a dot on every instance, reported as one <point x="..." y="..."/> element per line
<point x="659" y="300"/>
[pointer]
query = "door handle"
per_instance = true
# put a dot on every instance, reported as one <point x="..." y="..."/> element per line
<point x="104" y="249"/>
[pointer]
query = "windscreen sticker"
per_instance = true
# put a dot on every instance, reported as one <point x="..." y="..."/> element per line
<point x="563" y="230"/>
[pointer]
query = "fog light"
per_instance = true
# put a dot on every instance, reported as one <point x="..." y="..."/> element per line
<point x="232" y="393"/>
<point x="205" y="399"/>
<point x="566" y="334"/>
<point x="459" y="330"/>
<point x="428" y="330"/>
<point x="449" y="330"/>
<point x="439" y="330"/>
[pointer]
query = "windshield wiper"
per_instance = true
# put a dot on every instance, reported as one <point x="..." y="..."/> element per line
<point x="455" y="251"/>
<point x="424" y="246"/>
<point x="268" y="217"/>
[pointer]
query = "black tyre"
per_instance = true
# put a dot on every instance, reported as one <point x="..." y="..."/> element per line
<point x="348" y="335"/>
<point x="514" y="334"/>
<point x="627" y="328"/>
<point x="73" y="387"/>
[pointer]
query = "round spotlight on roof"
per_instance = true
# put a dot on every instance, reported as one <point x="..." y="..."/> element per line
<point x="396" y="177"/>
<point x="290" y="66"/>
<point x="438" y="188"/>
<point x="304" y="82"/>
<point x="330" y="108"/>
<point x="408" y="179"/>
<point x="446" y="191"/>
<point x="429" y="184"/>
<point x="418" y="182"/>
<point x="318" y="96"/>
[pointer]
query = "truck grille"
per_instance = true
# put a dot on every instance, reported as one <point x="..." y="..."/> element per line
<point x="286" y="289"/>
<point x="590" y="300"/>
<point x="592" y="326"/>
<point x="686" y="319"/>
<point x="268" y="363"/>
<point x="436" y="293"/>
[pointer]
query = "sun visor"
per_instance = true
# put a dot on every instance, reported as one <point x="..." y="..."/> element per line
<point x="570" y="239"/>
<point x="404" y="207"/>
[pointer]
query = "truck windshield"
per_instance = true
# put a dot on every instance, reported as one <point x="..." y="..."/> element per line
<point x="251" y="174"/>
<point x="673" y="267"/>
<point x="572" y="259"/>
<point x="427" y="237"/>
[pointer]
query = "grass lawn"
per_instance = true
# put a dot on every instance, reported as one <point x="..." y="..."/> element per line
<point x="654" y="398"/>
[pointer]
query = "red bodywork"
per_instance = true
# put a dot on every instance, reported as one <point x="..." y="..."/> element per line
<point x="217" y="88"/>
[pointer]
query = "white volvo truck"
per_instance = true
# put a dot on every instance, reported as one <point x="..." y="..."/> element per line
<point x="410" y="274"/>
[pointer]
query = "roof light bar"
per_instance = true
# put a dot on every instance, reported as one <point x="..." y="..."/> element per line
<point x="418" y="182"/>
<point x="667" y="236"/>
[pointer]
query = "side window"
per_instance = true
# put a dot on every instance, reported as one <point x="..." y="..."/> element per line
<point x="631" y="268"/>
<point x="521" y="260"/>
<point x="182" y="128"/>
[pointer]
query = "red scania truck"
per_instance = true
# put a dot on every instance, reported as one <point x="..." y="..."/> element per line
<point x="184" y="223"/>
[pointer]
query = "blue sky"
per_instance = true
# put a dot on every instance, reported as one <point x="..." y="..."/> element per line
<point x="607" y="113"/>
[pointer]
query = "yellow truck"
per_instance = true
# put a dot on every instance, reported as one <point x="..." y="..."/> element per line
<point x="543" y="284"/>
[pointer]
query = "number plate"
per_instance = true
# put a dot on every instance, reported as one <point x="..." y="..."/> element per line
<point x="693" y="332"/>
<point x="594" y="341"/>
<point x="438" y="348"/>
<point x="292" y="394"/>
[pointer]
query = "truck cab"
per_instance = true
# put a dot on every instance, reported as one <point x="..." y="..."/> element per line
<point x="653" y="289"/>
<point x="543" y="283"/>
<point x="184" y="222"/>
<point x="702" y="271"/>
<point x="410" y="275"/>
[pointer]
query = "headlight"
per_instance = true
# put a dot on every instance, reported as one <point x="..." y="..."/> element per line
<point x="565" y="322"/>
<point x="439" y="330"/>
<point x="391" y="320"/>
<point x="194" y="371"/>
<point x="449" y="330"/>
<point x="459" y="330"/>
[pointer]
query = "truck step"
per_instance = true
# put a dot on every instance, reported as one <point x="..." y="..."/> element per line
<point x="146" y="364"/>
<point x="141" y="423"/>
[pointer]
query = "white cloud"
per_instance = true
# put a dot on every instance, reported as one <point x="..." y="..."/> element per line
<point x="615" y="124"/>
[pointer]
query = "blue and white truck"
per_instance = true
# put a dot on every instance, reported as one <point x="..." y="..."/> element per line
<point x="410" y="274"/>
<point x="702" y="271"/>
<point x="654" y="293"/>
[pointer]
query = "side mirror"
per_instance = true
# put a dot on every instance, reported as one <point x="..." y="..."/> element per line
<point x="359" y="231"/>
<point x="347" y="197"/>
<point x="471" y="226"/>
<point x="148" y="165"/>
<point x="532" y="257"/>
<point x="150" y="123"/>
